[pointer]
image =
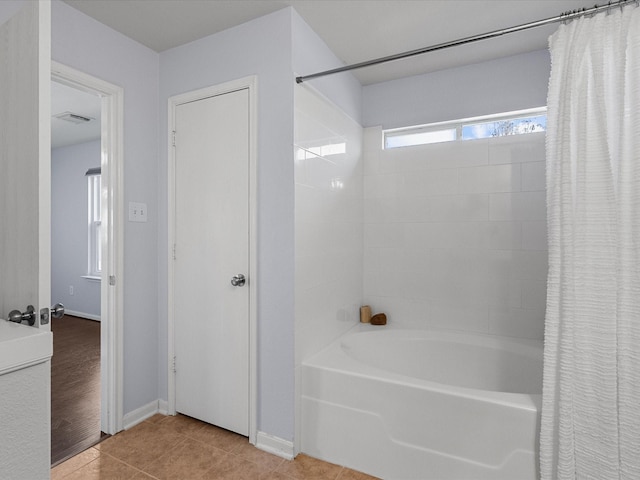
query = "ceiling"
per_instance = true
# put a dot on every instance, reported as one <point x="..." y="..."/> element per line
<point x="68" y="99"/>
<point x="356" y="30"/>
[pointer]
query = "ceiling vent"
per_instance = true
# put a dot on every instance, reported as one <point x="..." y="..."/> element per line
<point x="73" y="118"/>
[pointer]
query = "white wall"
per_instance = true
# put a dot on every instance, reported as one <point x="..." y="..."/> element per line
<point x="69" y="229"/>
<point x="502" y="85"/>
<point x="312" y="55"/>
<point x="91" y="47"/>
<point x="262" y="47"/>
<point x="9" y="8"/>
<point x="328" y="219"/>
<point x="328" y="213"/>
<point x="455" y="234"/>
<point x="328" y="200"/>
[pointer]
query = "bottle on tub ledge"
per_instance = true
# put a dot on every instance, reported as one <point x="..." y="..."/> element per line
<point x="365" y="316"/>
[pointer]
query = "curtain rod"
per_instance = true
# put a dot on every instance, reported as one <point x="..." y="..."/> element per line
<point x="570" y="15"/>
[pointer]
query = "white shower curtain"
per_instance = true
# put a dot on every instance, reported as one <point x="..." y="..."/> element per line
<point x="591" y="394"/>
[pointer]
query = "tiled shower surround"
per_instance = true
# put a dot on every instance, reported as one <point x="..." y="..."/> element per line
<point x="455" y="234"/>
<point x="328" y="222"/>
<point x="448" y="235"/>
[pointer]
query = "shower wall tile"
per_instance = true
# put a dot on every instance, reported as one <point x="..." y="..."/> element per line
<point x="517" y="148"/>
<point x="489" y="179"/>
<point x="470" y="154"/>
<point x="534" y="293"/>
<point x="383" y="235"/>
<point x="372" y="139"/>
<point x="455" y="234"/>
<point x="328" y="222"/>
<point x="392" y="259"/>
<point x="516" y="322"/>
<point x="403" y="312"/>
<point x="430" y="182"/>
<point x="534" y="235"/>
<point x="530" y="264"/>
<point x="397" y="210"/>
<point x="418" y="236"/>
<point x="533" y="177"/>
<point x="413" y="159"/>
<point x="459" y="208"/>
<point x="416" y="209"/>
<point x="523" y="206"/>
<point x="443" y="155"/>
<point x="501" y="236"/>
<point x="456" y="317"/>
<point x="384" y="186"/>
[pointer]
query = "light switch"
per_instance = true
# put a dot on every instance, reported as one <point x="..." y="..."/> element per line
<point x="137" y="212"/>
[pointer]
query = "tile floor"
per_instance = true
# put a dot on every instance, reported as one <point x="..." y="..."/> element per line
<point x="182" y="448"/>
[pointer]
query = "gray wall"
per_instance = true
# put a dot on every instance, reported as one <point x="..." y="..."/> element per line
<point x="311" y="55"/>
<point x="272" y="47"/>
<point x="69" y="228"/>
<point x="262" y="47"/>
<point x="89" y="46"/>
<point x="9" y="9"/>
<point x="502" y="85"/>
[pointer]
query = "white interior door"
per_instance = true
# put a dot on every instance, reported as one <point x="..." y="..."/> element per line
<point x="25" y="56"/>
<point x="25" y="165"/>
<point x="211" y="316"/>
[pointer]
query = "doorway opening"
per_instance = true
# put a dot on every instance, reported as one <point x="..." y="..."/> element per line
<point x="86" y="382"/>
<point x="75" y="269"/>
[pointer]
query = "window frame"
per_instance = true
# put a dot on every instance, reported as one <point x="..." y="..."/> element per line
<point x="94" y="224"/>
<point x="458" y="126"/>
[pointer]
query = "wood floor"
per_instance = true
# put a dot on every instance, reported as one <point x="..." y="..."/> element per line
<point x="75" y="386"/>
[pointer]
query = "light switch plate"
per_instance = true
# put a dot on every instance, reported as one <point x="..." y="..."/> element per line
<point x="137" y="212"/>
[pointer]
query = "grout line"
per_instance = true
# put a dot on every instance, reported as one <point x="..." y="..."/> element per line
<point x="127" y="464"/>
<point x="79" y="467"/>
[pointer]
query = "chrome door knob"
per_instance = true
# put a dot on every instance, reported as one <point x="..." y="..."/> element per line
<point x="57" y="311"/>
<point x="18" y="317"/>
<point x="238" y="280"/>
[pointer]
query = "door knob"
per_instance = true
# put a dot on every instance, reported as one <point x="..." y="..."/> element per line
<point x="18" y="317"/>
<point x="238" y="280"/>
<point x="57" y="311"/>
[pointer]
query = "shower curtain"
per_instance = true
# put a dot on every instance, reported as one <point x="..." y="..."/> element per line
<point x="591" y="394"/>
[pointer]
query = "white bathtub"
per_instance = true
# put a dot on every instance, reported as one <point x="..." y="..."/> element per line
<point x="417" y="404"/>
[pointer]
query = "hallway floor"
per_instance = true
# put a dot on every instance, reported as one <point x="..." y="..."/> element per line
<point x="183" y="448"/>
<point x="75" y="386"/>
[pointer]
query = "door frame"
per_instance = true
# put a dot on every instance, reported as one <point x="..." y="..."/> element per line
<point x="112" y="240"/>
<point x="251" y="84"/>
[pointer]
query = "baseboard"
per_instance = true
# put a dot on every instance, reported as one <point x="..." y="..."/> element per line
<point x="88" y="316"/>
<point x="163" y="407"/>
<point x="131" y="419"/>
<point x="276" y="446"/>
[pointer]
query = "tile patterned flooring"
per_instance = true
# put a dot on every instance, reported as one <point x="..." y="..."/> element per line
<point x="182" y="448"/>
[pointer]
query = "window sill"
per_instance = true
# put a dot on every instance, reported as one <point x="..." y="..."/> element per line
<point x="92" y="278"/>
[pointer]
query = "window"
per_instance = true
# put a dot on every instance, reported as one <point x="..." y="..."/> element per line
<point x="419" y="137"/>
<point x="512" y="123"/>
<point x="504" y="127"/>
<point x="94" y="268"/>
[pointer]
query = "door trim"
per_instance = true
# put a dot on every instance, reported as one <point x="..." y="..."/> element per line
<point x="112" y="241"/>
<point x="250" y="83"/>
